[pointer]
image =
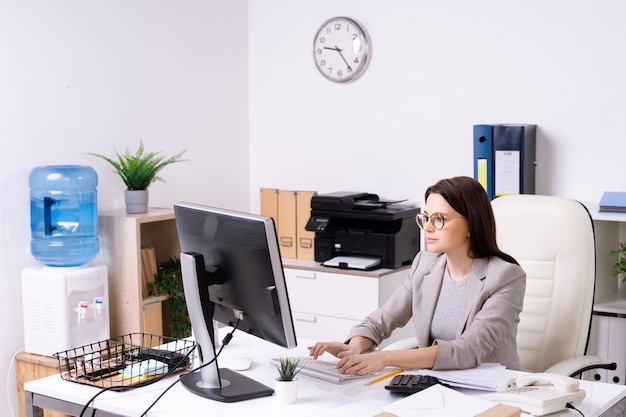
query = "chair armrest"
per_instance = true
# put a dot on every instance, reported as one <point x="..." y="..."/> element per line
<point x="579" y="364"/>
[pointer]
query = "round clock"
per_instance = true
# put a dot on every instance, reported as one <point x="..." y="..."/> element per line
<point x="341" y="49"/>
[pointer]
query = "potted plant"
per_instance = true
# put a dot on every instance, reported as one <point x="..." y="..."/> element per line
<point x="168" y="281"/>
<point x="286" y="384"/>
<point x="138" y="171"/>
<point x="620" y="265"/>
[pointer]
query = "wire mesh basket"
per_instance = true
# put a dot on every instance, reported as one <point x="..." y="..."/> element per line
<point x="126" y="361"/>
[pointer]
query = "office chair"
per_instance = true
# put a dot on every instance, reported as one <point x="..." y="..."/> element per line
<point x="552" y="238"/>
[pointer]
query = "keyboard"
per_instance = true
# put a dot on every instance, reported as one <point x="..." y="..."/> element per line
<point x="321" y="369"/>
<point x="410" y="384"/>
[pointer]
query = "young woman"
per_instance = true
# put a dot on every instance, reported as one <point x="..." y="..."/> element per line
<point x="464" y="293"/>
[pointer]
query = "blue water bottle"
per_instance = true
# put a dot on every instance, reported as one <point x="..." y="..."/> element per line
<point x="64" y="214"/>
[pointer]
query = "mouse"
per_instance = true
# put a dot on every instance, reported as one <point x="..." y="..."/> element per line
<point x="240" y="363"/>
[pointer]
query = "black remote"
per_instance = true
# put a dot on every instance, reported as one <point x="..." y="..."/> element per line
<point x="410" y="384"/>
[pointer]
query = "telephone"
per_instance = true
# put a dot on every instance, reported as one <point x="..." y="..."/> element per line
<point x="541" y="393"/>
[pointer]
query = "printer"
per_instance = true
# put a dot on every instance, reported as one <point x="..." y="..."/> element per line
<point x="361" y="231"/>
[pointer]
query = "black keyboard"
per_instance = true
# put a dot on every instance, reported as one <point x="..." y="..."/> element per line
<point x="410" y="384"/>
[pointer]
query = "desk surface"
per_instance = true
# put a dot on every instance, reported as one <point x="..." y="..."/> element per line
<point x="315" y="398"/>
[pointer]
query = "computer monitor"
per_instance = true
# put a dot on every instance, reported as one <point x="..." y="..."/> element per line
<point x="232" y="272"/>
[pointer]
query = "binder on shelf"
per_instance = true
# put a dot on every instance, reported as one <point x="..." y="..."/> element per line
<point x="287" y="223"/>
<point x="613" y="201"/>
<point x="149" y="269"/>
<point x="514" y="148"/>
<point x="483" y="157"/>
<point x="305" y="240"/>
<point x="269" y="203"/>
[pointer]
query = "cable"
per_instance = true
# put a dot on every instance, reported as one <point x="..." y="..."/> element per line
<point x="571" y="407"/>
<point x="225" y="341"/>
<point x="171" y="370"/>
<point x="9" y="392"/>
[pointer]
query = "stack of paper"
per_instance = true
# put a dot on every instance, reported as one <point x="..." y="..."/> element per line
<point x="487" y="376"/>
<point x="439" y="401"/>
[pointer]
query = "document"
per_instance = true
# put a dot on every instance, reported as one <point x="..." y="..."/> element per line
<point x="439" y="401"/>
<point x="487" y="376"/>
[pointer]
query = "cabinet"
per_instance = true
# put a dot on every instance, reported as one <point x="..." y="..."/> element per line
<point x="327" y="302"/>
<point x="608" y="323"/>
<point x="122" y="236"/>
<point x="28" y="367"/>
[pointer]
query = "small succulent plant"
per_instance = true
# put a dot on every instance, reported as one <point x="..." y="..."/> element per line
<point x="288" y="369"/>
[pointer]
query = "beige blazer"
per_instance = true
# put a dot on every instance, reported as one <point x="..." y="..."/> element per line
<point x="487" y="328"/>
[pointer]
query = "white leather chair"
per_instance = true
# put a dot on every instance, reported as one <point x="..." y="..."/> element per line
<point x="552" y="238"/>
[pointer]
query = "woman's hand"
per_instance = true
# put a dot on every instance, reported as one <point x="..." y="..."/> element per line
<point x="334" y="348"/>
<point x="361" y="364"/>
<point x="351" y="360"/>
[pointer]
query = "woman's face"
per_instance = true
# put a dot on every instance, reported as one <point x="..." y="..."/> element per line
<point x="454" y="236"/>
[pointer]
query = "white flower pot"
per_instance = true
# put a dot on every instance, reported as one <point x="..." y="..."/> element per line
<point x="286" y="391"/>
<point x="136" y="201"/>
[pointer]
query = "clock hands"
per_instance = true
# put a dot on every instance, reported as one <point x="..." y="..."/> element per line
<point x="341" y="55"/>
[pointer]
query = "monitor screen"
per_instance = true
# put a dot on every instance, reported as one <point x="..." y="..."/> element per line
<point x="232" y="273"/>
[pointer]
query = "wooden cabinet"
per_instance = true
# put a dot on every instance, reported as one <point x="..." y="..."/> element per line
<point x="122" y="236"/>
<point x="28" y="367"/>
<point x="327" y="302"/>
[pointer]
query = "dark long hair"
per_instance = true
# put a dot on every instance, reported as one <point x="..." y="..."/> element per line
<point x="470" y="199"/>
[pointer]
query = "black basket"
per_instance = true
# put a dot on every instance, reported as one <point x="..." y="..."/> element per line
<point x="126" y="361"/>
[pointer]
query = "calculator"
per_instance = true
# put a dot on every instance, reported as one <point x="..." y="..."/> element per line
<point x="409" y="384"/>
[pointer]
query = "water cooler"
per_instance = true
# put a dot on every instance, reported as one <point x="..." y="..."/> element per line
<point x="65" y="300"/>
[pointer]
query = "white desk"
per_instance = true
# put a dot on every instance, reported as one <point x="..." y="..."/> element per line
<point x="315" y="398"/>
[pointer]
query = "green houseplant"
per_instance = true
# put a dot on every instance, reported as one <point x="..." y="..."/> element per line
<point x="168" y="281"/>
<point x="620" y="265"/>
<point x="138" y="171"/>
<point x="286" y="384"/>
<point x="288" y="369"/>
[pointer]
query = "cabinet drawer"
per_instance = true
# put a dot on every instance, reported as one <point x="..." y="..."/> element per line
<point x="317" y="327"/>
<point x="337" y="295"/>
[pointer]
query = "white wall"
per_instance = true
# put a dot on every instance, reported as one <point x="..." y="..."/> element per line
<point x="79" y="76"/>
<point x="438" y="68"/>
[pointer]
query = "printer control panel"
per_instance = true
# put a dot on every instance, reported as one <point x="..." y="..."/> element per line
<point x="317" y="224"/>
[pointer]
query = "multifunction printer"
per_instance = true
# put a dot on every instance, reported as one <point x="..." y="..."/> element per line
<point x="361" y="231"/>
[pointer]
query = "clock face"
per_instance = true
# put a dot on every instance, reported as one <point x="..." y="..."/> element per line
<point x="341" y="49"/>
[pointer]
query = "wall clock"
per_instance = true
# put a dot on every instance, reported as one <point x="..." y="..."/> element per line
<point x="341" y="49"/>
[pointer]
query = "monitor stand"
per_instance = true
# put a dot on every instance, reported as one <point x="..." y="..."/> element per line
<point x="235" y="387"/>
<point x="223" y="384"/>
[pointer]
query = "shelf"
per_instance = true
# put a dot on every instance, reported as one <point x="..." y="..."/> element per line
<point x="614" y="303"/>
<point x="122" y="236"/>
<point x="154" y="299"/>
<point x="305" y="264"/>
<point x="609" y="216"/>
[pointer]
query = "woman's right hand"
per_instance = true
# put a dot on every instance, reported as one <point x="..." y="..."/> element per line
<point x="334" y="348"/>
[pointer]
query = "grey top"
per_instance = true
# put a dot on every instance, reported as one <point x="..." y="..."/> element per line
<point x="443" y="326"/>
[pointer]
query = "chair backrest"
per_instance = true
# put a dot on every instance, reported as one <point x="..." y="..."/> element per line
<point x="552" y="238"/>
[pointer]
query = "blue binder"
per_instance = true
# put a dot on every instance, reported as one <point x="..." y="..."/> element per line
<point x="483" y="158"/>
<point x="613" y="201"/>
<point x="514" y="147"/>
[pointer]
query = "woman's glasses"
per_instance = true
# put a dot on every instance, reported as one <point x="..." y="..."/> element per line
<point x="436" y="219"/>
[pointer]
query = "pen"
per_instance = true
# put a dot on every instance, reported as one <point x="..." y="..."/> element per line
<point x="383" y="377"/>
